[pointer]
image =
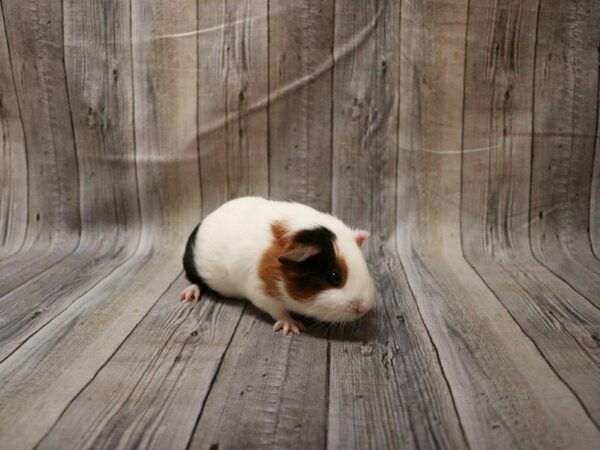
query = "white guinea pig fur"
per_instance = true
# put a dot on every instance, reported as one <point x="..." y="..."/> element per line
<point x="283" y="257"/>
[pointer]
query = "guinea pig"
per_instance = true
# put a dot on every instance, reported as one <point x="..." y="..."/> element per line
<point x="282" y="256"/>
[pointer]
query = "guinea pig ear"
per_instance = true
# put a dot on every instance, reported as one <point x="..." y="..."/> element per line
<point x="298" y="254"/>
<point x="361" y="236"/>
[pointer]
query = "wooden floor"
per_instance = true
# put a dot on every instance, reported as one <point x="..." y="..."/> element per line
<point x="482" y="355"/>
<point x="463" y="134"/>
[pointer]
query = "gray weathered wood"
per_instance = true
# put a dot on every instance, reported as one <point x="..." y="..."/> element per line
<point x="270" y="391"/>
<point x="385" y="373"/>
<point x="34" y="36"/>
<point x="281" y="401"/>
<point x="300" y="90"/>
<point x="444" y="127"/>
<point x="479" y="345"/>
<point x="595" y="194"/>
<point x="93" y="327"/>
<point x="365" y="117"/>
<point x="496" y="239"/>
<point x="101" y="104"/>
<point x="232" y="80"/>
<point x="13" y="166"/>
<point x="158" y="379"/>
<point x="565" y="121"/>
<point x="498" y="117"/>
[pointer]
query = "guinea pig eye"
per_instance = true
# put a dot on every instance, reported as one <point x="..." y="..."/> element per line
<point x="335" y="278"/>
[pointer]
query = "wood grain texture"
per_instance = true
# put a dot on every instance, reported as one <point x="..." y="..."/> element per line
<point x="300" y="101"/>
<point x="565" y="121"/>
<point x="464" y="319"/>
<point x="166" y="127"/>
<point x="365" y="114"/>
<point x="232" y="99"/>
<point x="463" y="134"/>
<point x="496" y="190"/>
<point x="101" y="104"/>
<point x="270" y="391"/>
<point x="595" y="194"/>
<point x="34" y="37"/>
<point x="281" y="401"/>
<point x="94" y="326"/>
<point x="157" y="380"/>
<point x="13" y="167"/>
<point x="384" y="372"/>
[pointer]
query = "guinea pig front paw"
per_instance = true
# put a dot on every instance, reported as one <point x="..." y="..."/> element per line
<point x="288" y="324"/>
<point x="190" y="293"/>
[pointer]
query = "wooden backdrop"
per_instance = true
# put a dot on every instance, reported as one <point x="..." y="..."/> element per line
<point x="464" y="135"/>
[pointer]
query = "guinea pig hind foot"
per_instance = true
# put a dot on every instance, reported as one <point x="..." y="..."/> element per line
<point x="190" y="293"/>
<point x="288" y="324"/>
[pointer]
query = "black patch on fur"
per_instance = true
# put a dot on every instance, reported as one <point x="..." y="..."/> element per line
<point x="314" y="273"/>
<point x="188" y="260"/>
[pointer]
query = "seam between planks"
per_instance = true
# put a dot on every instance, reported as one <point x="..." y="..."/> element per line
<point x="132" y="255"/>
<point x="528" y="228"/>
<point x="139" y="237"/>
<point x="214" y="377"/>
<point x="410" y="418"/>
<point x="560" y="277"/>
<point x="501" y="266"/>
<point x="107" y="360"/>
<point x="133" y="132"/>
<point x="77" y="246"/>
<point x="331" y="156"/>
<point x="531" y="209"/>
<point x="434" y="347"/>
<point x="17" y="101"/>
<point x="268" y="105"/>
<point x="596" y="155"/>
<point x="64" y="66"/>
<point x="197" y="97"/>
<point x="531" y="214"/>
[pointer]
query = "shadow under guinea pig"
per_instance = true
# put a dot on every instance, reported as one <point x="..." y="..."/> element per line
<point x="361" y="330"/>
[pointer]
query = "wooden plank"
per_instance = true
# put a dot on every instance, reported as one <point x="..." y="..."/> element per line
<point x="387" y="388"/>
<point x="498" y="118"/>
<point x="269" y="392"/>
<point x="501" y="401"/>
<point x="68" y="352"/>
<point x="233" y="79"/>
<point x="35" y="41"/>
<point x="166" y="125"/>
<point x="365" y="114"/>
<point x="505" y="392"/>
<point x="566" y="100"/>
<point x="158" y="379"/>
<point x="13" y="161"/>
<point x="560" y="322"/>
<point x="271" y="389"/>
<point x="49" y="370"/>
<point x="32" y="305"/>
<point x="98" y="63"/>
<point x="300" y="104"/>
<point x="595" y="195"/>
<point x="557" y="319"/>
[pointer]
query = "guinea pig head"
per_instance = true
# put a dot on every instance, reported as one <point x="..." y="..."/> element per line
<point x="325" y="276"/>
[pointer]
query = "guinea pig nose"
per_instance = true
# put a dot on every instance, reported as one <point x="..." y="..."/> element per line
<point x="358" y="307"/>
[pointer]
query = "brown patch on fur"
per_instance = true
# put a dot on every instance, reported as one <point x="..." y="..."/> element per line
<point x="298" y="286"/>
<point x="343" y="268"/>
<point x="269" y="269"/>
